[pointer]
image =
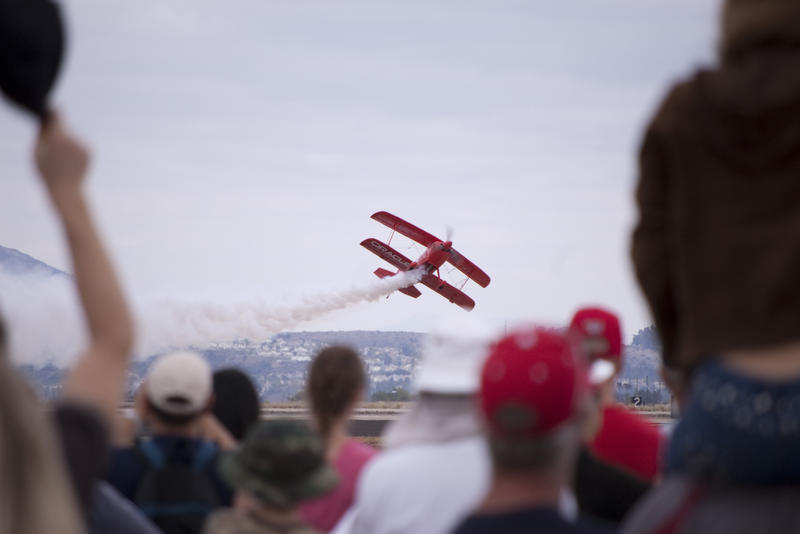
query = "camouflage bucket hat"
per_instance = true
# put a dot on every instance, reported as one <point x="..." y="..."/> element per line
<point x="280" y="463"/>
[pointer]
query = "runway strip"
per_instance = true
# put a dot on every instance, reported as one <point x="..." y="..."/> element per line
<point x="370" y="422"/>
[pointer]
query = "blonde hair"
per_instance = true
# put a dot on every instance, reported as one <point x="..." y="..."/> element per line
<point x="35" y="496"/>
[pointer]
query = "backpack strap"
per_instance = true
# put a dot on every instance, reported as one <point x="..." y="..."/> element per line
<point x="673" y="523"/>
<point x="204" y="454"/>
<point x="151" y="453"/>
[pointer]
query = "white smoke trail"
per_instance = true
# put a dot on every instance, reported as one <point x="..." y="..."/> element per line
<point x="45" y="322"/>
<point x="41" y="317"/>
<point x="173" y="323"/>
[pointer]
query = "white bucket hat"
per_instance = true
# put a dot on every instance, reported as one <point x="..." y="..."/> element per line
<point x="454" y="354"/>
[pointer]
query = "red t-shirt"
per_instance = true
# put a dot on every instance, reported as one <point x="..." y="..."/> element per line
<point x="324" y="512"/>
<point x="629" y="441"/>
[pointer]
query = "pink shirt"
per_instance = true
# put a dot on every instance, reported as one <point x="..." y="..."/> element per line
<point x="323" y="513"/>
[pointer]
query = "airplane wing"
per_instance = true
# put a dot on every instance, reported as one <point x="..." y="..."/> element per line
<point x="387" y="253"/>
<point x="406" y="228"/>
<point x="449" y="292"/>
<point x="468" y="268"/>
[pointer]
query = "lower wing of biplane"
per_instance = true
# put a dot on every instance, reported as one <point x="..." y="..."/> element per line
<point x="449" y="292"/>
<point x="403" y="264"/>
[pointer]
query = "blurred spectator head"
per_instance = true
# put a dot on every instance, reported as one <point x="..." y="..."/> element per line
<point x="534" y="390"/>
<point x="31" y="48"/>
<point x="336" y="382"/>
<point x="236" y="403"/>
<point x="453" y="354"/>
<point x="280" y="463"/>
<point x="448" y="379"/>
<point x="598" y="333"/>
<point x="178" y="388"/>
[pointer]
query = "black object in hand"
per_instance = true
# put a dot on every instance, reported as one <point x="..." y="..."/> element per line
<point x="31" y="48"/>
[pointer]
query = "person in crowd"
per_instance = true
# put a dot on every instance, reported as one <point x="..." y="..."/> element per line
<point x="435" y="469"/>
<point x="127" y="430"/>
<point x="601" y="489"/>
<point x="715" y="257"/>
<point x="111" y="512"/>
<point x="336" y="384"/>
<point x="171" y="476"/>
<point x="715" y="252"/>
<point x="236" y="403"/>
<point x="679" y="504"/>
<point x="533" y="398"/>
<point x="625" y="439"/>
<point x="34" y="475"/>
<point x="279" y="464"/>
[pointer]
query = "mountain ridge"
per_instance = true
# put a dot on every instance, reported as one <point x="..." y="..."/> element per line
<point x="279" y="365"/>
<point x="15" y="262"/>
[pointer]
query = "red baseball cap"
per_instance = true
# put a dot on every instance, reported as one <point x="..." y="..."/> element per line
<point x="531" y="383"/>
<point x="598" y="333"/>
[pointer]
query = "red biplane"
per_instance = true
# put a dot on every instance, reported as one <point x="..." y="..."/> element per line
<point x="438" y="252"/>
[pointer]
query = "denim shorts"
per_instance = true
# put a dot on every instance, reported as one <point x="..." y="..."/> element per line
<point x="738" y="429"/>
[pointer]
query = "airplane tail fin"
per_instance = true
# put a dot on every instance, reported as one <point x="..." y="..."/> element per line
<point x="411" y="291"/>
<point x="383" y="273"/>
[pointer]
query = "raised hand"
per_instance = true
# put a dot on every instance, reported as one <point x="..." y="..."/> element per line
<point x="62" y="160"/>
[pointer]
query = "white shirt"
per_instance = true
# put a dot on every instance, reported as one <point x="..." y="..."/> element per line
<point x="421" y="488"/>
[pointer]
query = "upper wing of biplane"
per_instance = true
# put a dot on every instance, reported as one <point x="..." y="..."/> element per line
<point x="468" y="268"/>
<point x="406" y="228"/>
<point x="449" y="292"/>
<point x="387" y="253"/>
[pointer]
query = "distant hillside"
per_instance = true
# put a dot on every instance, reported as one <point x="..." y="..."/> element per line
<point x="14" y="262"/>
<point x="643" y="356"/>
<point x="647" y="338"/>
<point x="278" y="365"/>
<point x="640" y="374"/>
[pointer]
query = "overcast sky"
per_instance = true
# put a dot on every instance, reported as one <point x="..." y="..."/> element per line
<point x="240" y="146"/>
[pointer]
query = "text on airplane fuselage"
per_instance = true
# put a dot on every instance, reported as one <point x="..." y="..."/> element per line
<point x="388" y="253"/>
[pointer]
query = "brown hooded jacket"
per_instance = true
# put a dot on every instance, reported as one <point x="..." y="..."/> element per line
<point x="717" y="246"/>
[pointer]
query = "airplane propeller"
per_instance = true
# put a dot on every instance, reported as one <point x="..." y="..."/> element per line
<point x="449" y="236"/>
